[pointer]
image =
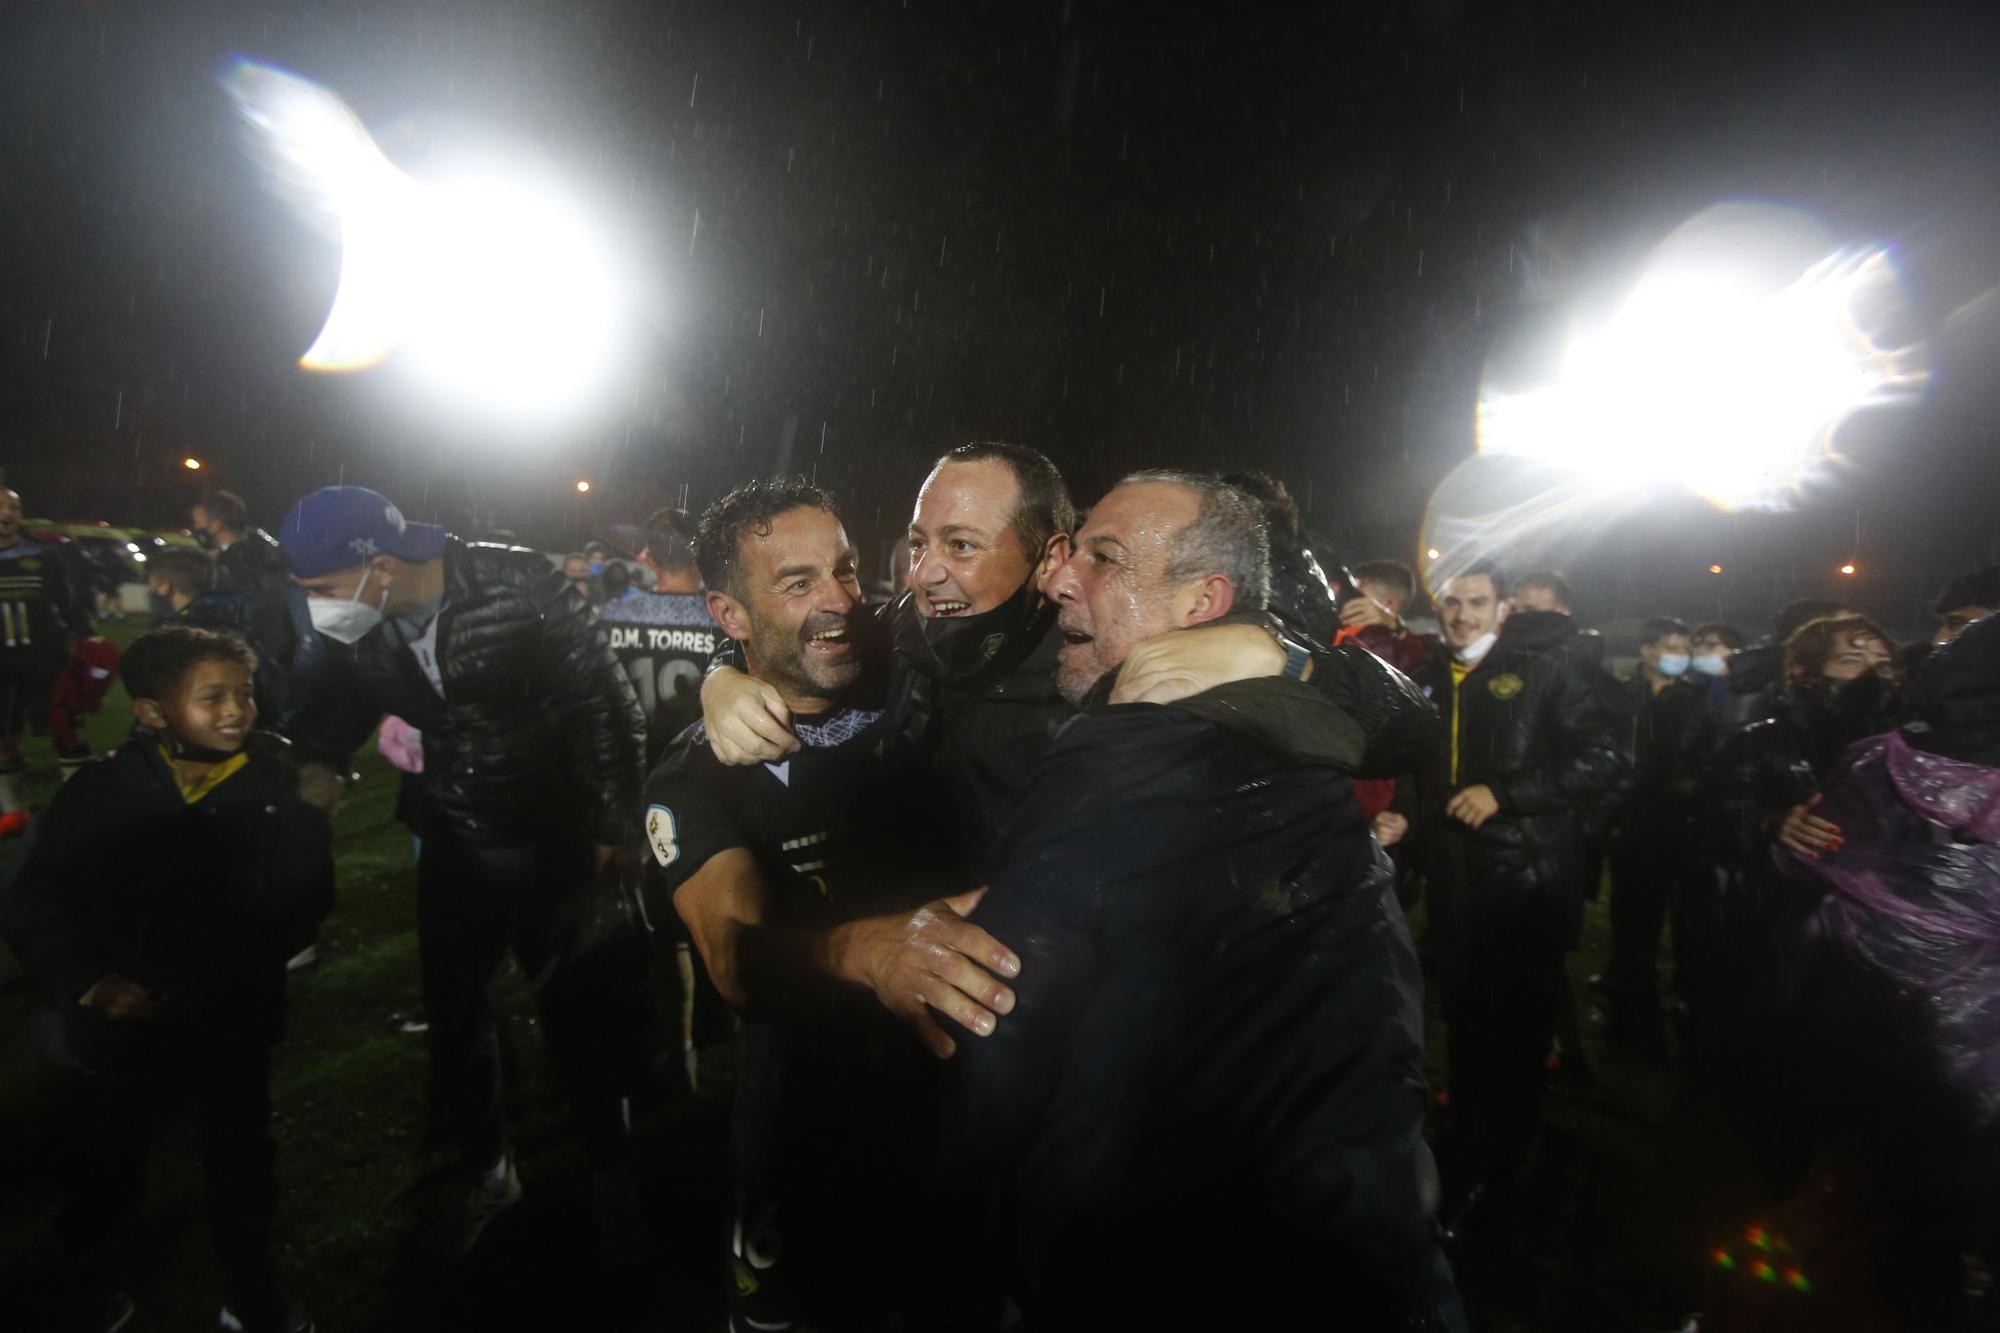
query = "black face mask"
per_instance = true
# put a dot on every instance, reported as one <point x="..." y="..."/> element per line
<point x="957" y="649"/>
<point x="204" y="539"/>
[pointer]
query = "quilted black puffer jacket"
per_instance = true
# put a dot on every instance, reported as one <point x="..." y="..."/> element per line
<point x="537" y="722"/>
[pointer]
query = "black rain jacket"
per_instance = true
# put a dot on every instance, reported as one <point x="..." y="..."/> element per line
<point x="204" y="902"/>
<point x="1539" y="724"/>
<point x="537" y="720"/>
<point x="1206" y="1105"/>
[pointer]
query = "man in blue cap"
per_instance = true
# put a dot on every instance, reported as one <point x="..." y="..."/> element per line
<point x="534" y="759"/>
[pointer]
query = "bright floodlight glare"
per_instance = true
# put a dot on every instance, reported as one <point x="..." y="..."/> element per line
<point x="495" y="290"/>
<point x="1712" y="375"/>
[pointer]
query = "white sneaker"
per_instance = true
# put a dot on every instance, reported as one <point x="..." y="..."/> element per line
<point x="454" y="1234"/>
<point x="305" y="957"/>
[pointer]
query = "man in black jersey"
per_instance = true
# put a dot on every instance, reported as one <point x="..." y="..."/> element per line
<point x="41" y="620"/>
<point x="766" y="862"/>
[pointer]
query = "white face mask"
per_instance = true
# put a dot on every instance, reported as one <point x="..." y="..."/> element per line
<point x="1672" y="665"/>
<point x="1477" y="649"/>
<point x="349" y="621"/>
<point x="1711" y="664"/>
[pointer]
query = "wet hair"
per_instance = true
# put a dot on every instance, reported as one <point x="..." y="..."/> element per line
<point x="184" y="571"/>
<point x="1813" y="643"/>
<point x="1806" y="609"/>
<point x="1550" y="579"/>
<point x="751" y="507"/>
<point x="1044" y="508"/>
<point x="1226" y="537"/>
<point x="159" y="660"/>
<point x="1490" y="568"/>
<point x="616" y="579"/>
<point x="1388" y="571"/>
<point x="1979" y="588"/>
<point x="1281" y="511"/>
<point x="1659" y="627"/>
<point x="1728" y="636"/>
<point x="228" y="509"/>
<point x="670" y="539"/>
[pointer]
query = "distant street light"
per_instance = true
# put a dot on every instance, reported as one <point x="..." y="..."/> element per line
<point x="583" y="488"/>
<point x="1715" y="569"/>
<point x="1433" y="553"/>
<point x="1847" y="570"/>
<point x="191" y="464"/>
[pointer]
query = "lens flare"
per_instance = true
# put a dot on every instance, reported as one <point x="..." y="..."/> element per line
<point x="494" y="289"/>
<point x="1724" y="368"/>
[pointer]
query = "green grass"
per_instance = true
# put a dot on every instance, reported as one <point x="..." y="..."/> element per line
<point x="350" y="1097"/>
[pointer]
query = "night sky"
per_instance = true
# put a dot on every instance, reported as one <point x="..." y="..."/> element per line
<point x="1266" y="236"/>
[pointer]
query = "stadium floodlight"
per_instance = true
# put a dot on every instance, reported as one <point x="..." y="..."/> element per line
<point x="492" y="287"/>
<point x="1724" y="369"/>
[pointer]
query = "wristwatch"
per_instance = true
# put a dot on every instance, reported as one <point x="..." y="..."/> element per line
<point x="1297" y="656"/>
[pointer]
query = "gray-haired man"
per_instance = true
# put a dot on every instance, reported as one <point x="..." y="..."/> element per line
<point x="1204" y="1107"/>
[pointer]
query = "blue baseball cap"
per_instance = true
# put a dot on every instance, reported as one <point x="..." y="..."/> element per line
<point x="339" y="527"/>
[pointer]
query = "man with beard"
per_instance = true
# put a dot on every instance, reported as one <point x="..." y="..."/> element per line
<point x="1204" y="1108"/>
<point x="42" y="619"/>
<point x="1533" y="744"/>
<point x="972" y="689"/>
<point x="766" y="862"/>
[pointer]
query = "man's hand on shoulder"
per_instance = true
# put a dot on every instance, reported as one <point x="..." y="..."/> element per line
<point x="1181" y="663"/>
<point x="748" y="721"/>
<point x="930" y="959"/>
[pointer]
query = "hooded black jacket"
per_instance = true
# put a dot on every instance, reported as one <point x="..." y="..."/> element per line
<point x="1206" y="1103"/>
<point x="537" y="722"/>
<point x="1540" y="725"/>
<point x="204" y="901"/>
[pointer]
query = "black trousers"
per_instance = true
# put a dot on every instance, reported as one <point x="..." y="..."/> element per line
<point x="1500" y="961"/>
<point x="159" y="1070"/>
<point x="1649" y="869"/>
<point x="475" y="904"/>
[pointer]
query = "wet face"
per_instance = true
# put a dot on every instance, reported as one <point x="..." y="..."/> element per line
<point x="1113" y="589"/>
<point x="964" y="557"/>
<point x="10" y="517"/>
<point x="1469" y="608"/>
<point x="1390" y="595"/>
<point x="1954" y="621"/>
<point x="213" y="706"/>
<point x="1856" y="656"/>
<point x="794" y="604"/>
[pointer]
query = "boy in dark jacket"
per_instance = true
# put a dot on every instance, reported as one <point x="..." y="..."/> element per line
<point x="155" y="908"/>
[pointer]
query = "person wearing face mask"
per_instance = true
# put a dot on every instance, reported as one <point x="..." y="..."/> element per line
<point x="1651" y="837"/>
<point x="1532" y="742"/>
<point x="534" y="763"/>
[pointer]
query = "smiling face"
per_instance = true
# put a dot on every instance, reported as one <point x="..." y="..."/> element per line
<point x="213" y="706"/>
<point x="1114" y="590"/>
<point x="10" y="517"/>
<point x="793" y="606"/>
<point x="1468" y="609"/>
<point x="965" y="557"/>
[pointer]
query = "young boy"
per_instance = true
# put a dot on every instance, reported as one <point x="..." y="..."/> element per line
<point x="155" y="906"/>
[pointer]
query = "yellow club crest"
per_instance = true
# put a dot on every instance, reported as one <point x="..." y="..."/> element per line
<point x="1505" y="686"/>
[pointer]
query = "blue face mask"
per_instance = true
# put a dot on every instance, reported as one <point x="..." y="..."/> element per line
<point x="1711" y="664"/>
<point x="596" y="567"/>
<point x="1672" y="665"/>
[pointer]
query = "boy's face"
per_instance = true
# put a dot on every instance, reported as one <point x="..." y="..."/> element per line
<point x="213" y="707"/>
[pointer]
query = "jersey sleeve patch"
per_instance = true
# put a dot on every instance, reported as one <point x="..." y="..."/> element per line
<point x="663" y="835"/>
